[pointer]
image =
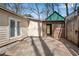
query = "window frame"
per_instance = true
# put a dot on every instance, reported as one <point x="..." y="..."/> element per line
<point x="16" y="20"/>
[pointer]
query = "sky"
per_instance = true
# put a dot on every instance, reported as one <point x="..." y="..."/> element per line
<point x="62" y="9"/>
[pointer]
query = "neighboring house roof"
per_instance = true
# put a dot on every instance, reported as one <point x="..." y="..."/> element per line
<point x="34" y="19"/>
<point x="55" y="16"/>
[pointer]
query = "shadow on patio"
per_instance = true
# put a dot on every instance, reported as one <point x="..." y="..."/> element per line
<point x="73" y="49"/>
<point x="35" y="47"/>
<point x="46" y="49"/>
<point x="4" y="54"/>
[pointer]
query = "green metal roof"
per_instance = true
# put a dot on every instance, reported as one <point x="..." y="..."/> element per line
<point x="55" y="16"/>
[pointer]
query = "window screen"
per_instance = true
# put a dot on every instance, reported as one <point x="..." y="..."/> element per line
<point x="12" y="28"/>
<point x="18" y="28"/>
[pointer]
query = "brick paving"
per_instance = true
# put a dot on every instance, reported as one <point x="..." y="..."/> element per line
<point x="34" y="46"/>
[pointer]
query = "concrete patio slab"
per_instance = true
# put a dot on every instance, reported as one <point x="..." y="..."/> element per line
<point x="34" y="46"/>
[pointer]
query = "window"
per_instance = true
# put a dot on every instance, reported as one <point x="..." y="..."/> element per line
<point x="12" y="28"/>
<point x="18" y="28"/>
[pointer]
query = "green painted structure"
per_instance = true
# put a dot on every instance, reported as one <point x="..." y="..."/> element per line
<point x="54" y="26"/>
<point x="55" y="16"/>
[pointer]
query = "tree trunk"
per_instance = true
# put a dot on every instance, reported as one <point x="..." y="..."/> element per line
<point x="75" y="6"/>
<point x="39" y="27"/>
<point x="67" y="13"/>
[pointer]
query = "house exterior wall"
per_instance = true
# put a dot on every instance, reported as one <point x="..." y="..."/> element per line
<point x="33" y="28"/>
<point x="4" y="27"/>
<point x="71" y="27"/>
<point x="57" y="29"/>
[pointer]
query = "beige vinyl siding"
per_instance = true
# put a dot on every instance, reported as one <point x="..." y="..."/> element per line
<point x="3" y="34"/>
<point x="4" y="27"/>
<point x="24" y="26"/>
<point x="4" y="30"/>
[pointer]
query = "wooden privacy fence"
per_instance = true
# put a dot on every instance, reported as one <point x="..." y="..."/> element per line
<point x="72" y="28"/>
